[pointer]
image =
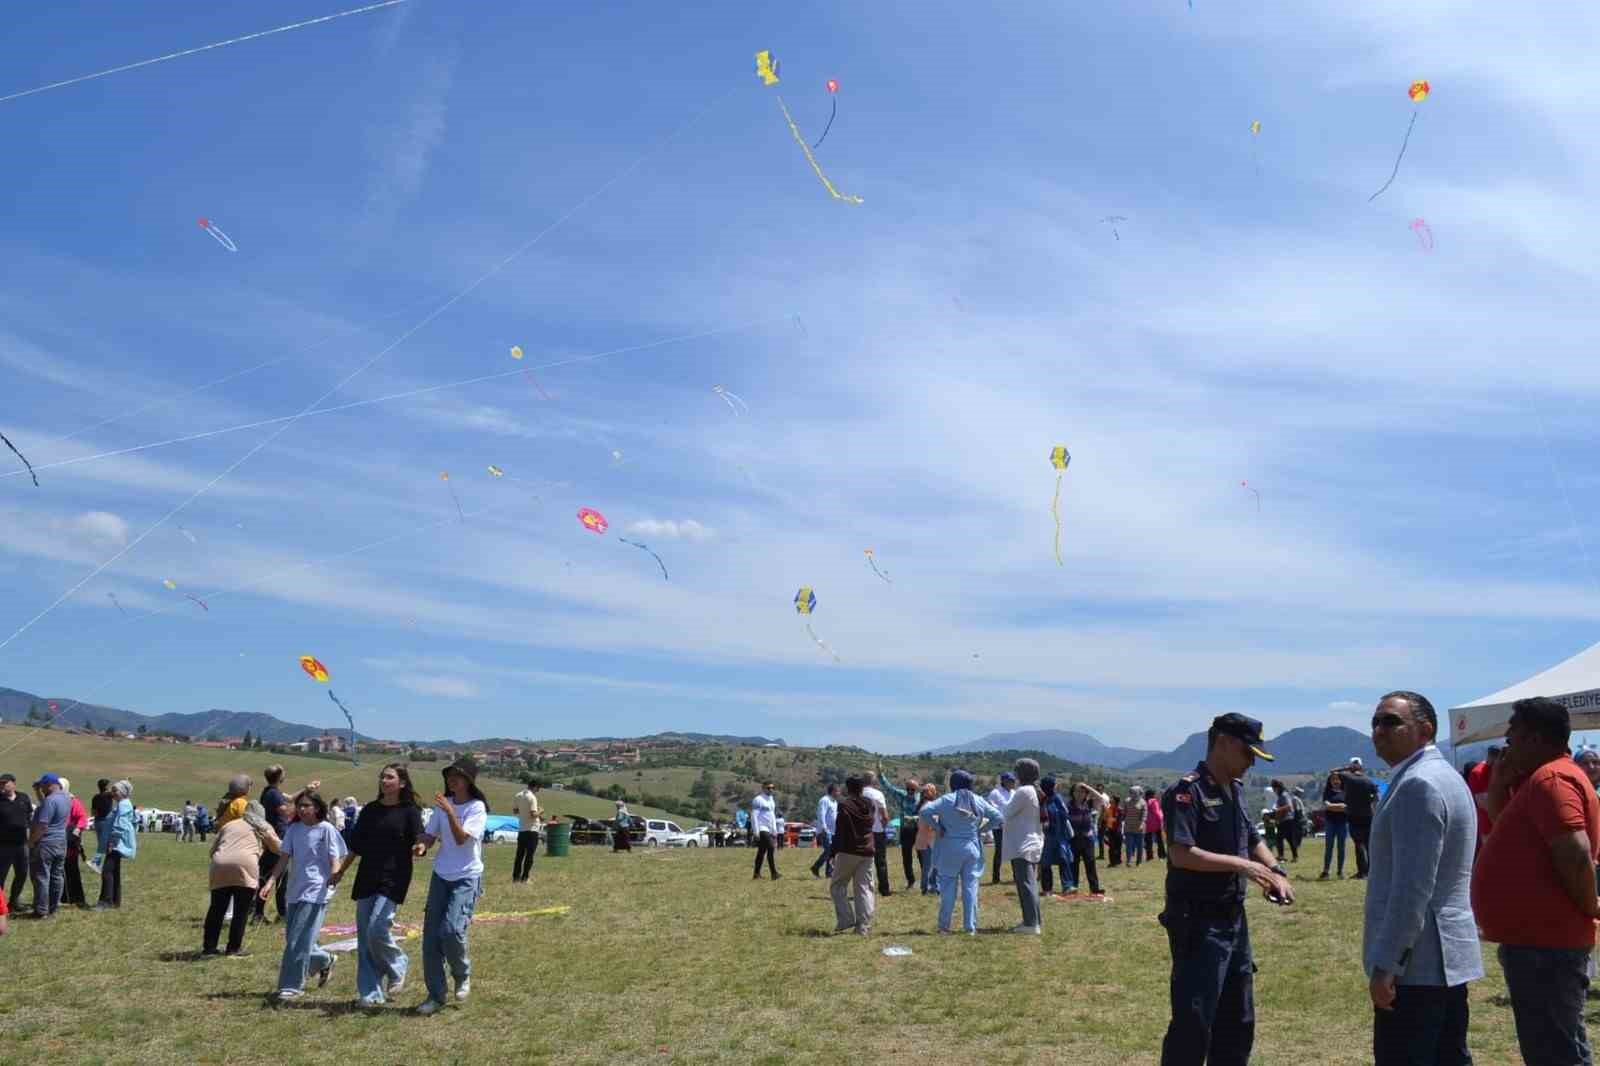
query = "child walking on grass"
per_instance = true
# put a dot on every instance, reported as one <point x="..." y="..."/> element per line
<point x="312" y="849"/>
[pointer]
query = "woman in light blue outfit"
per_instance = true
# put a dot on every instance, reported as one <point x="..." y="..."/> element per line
<point x="121" y="841"/>
<point x="312" y="849"/>
<point x="958" y="852"/>
<point x="456" y="823"/>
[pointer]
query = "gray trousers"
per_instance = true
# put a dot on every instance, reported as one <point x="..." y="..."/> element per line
<point x="1026" y="875"/>
<point x="48" y="865"/>
<point x="852" y="871"/>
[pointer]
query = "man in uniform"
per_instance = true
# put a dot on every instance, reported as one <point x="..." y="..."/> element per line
<point x="1212" y="849"/>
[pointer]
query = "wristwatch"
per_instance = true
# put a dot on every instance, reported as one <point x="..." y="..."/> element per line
<point x="1279" y="870"/>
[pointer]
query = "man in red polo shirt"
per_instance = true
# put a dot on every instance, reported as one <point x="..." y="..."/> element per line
<point x="1478" y="785"/>
<point x="1533" y="888"/>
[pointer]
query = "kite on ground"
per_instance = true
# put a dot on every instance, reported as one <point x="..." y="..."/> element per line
<point x="222" y="238"/>
<point x="1424" y="234"/>
<point x="1247" y="485"/>
<point x="1418" y="92"/>
<point x="1114" y="219"/>
<point x="657" y="558"/>
<point x="593" y="520"/>
<point x="805" y="602"/>
<point x="729" y="399"/>
<point x="767" y="69"/>
<point x="1060" y="458"/>
<point x="872" y="561"/>
<point x="833" y="91"/>
<point x="444" y="476"/>
<point x="24" y="459"/>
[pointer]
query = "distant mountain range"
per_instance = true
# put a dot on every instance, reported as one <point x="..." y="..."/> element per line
<point x="216" y="724"/>
<point x="1304" y="750"/>
<point x="202" y="725"/>
<point x="1062" y="743"/>
<point x="1308" y="749"/>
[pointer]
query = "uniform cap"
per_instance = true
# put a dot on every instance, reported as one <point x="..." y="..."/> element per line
<point x="1246" y="729"/>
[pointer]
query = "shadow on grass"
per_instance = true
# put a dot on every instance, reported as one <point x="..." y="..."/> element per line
<point x="182" y="956"/>
<point x="328" y="1008"/>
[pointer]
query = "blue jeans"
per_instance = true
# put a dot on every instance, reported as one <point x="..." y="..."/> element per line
<point x="930" y="872"/>
<point x="378" y="957"/>
<point x="444" y="932"/>
<point x="1334" y="831"/>
<point x="301" y="953"/>
<point x="1548" y="987"/>
<point x="48" y="868"/>
<point x="826" y="858"/>
<point x="1132" y="848"/>
<point x="967" y="880"/>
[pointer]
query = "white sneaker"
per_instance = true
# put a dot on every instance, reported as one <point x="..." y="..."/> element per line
<point x="289" y="993"/>
<point x="1033" y="930"/>
<point x="463" y="990"/>
<point x="392" y="988"/>
<point x="431" y="1006"/>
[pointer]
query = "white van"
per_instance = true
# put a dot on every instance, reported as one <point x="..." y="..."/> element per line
<point x="661" y="833"/>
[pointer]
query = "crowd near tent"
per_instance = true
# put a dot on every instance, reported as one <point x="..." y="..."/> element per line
<point x="1575" y="684"/>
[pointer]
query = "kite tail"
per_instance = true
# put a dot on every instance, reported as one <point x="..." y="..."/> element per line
<point x="806" y="148"/>
<point x="875" y="570"/>
<point x="829" y="126"/>
<point x="821" y="644"/>
<point x="348" y="717"/>
<point x="457" y="500"/>
<point x="24" y="459"/>
<point x="1397" y="158"/>
<point x="1055" y="509"/>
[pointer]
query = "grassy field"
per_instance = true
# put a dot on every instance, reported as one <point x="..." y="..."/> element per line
<point x="165" y="775"/>
<point x="677" y="957"/>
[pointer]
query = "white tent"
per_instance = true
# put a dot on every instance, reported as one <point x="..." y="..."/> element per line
<point x="1575" y="684"/>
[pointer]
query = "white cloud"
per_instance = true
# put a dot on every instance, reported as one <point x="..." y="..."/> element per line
<point x="670" y="529"/>
<point x="451" y="688"/>
<point x="1346" y="706"/>
<point x="102" y="526"/>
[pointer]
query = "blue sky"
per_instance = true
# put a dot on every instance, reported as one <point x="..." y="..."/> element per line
<point x="1416" y="422"/>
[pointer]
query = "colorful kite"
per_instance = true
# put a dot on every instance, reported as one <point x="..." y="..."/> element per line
<point x="729" y="399"/>
<point x="805" y="602"/>
<point x="1114" y="219"/>
<point x="222" y="238"/>
<point x="1418" y="92"/>
<point x="516" y="351"/>
<point x="317" y="672"/>
<point x="314" y="668"/>
<point x="444" y="476"/>
<point x="593" y="520"/>
<point x="1255" y="144"/>
<point x="1424" y="234"/>
<point x="653" y="555"/>
<point x="767" y="69"/>
<point x="616" y="457"/>
<point x="24" y="459"/>
<point x="1255" y="128"/>
<point x="496" y="471"/>
<point x="872" y="561"/>
<point x="833" y="91"/>
<point x="1247" y="485"/>
<point x="171" y="584"/>
<point x="1060" y="458"/>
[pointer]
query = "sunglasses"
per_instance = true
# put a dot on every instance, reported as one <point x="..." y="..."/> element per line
<point x="1387" y="721"/>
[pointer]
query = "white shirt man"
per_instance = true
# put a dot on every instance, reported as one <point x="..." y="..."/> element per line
<point x="827" y="820"/>
<point x="827" y="814"/>
<point x="880" y="836"/>
<point x="530" y="821"/>
<point x="1000" y="795"/>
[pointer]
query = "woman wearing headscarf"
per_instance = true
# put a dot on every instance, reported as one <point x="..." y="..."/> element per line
<point x="1082" y="810"/>
<point x="122" y="842"/>
<point x="236" y="872"/>
<point x="960" y="815"/>
<point x="77" y="822"/>
<point x="925" y="840"/>
<point x="1057" y="840"/>
<point x="456" y="822"/>
<point x="1023" y="843"/>
<point x="624" y="820"/>
<point x="1133" y="812"/>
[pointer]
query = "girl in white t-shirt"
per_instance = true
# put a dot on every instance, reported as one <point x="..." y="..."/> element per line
<point x="456" y="823"/>
<point x="312" y="849"/>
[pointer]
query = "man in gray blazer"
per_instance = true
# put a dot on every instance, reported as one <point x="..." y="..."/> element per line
<point x="1420" y="943"/>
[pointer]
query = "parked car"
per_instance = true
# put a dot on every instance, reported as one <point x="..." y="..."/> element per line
<point x="698" y="837"/>
<point x="658" y="832"/>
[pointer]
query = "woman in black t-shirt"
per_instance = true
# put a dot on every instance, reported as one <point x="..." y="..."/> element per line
<point x="387" y="838"/>
<point x="1335" y="822"/>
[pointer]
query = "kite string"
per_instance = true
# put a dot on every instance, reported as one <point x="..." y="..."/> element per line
<point x="1397" y="158"/>
<point x="404" y="395"/>
<point x="24" y="459"/>
<point x="201" y="48"/>
<point x="1055" y="509"/>
<point x="834" y="114"/>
